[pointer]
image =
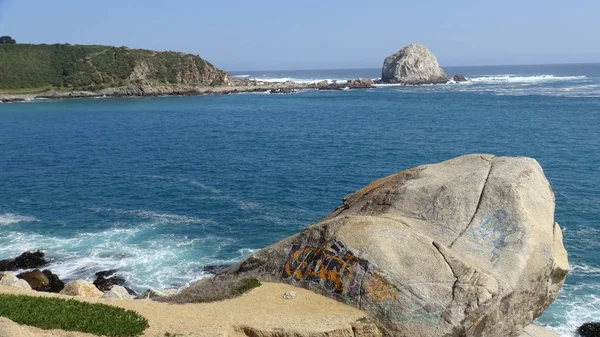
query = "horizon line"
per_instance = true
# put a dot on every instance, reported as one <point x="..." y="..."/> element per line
<point x="446" y="66"/>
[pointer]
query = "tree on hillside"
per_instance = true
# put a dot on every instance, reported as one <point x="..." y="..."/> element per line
<point x="7" y="39"/>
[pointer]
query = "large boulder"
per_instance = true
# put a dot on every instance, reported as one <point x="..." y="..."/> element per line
<point x="467" y="247"/>
<point x="27" y="260"/>
<point x="413" y="64"/>
<point x="81" y="288"/>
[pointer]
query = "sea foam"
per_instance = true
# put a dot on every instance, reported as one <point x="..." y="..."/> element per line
<point x="11" y="218"/>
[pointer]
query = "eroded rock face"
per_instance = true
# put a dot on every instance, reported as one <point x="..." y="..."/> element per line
<point x="467" y="247"/>
<point x="413" y="64"/>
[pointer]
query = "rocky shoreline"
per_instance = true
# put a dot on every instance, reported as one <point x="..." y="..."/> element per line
<point x="238" y="86"/>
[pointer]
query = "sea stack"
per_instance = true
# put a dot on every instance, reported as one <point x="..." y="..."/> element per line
<point x="413" y="64"/>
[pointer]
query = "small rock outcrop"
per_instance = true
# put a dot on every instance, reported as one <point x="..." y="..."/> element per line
<point x="117" y="293"/>
<point x="82" y="289"/>
<point x="589" y="330"/>
<point x="466" y="247"/>
<point x="27" y="260"/>
<point x="10" y="280"/>
<point x="459" y="78"/>
<point x="413" y="64"/>
<point x="154" y="294"/>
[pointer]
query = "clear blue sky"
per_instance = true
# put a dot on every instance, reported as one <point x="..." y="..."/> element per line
<point x="309" y="34"/>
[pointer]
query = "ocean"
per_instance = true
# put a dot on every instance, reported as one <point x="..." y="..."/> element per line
<point x="161" y="187"/>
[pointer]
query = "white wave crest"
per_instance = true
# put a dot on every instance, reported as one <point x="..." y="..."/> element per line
<point x="157" y="216"/>
<point x="11" y="218"/>
<point x="509" y="78"/>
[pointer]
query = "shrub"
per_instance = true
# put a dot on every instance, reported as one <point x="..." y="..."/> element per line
<point x="72" y="315"/>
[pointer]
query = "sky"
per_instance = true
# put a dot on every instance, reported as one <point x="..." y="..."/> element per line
<point x="319" y="34"/>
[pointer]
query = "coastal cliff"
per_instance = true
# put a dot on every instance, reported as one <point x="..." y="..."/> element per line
<point x="94" y="68"/>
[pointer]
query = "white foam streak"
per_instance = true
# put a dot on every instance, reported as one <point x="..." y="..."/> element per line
<point x="11" y="218"/>
<point x="509" y="78"/>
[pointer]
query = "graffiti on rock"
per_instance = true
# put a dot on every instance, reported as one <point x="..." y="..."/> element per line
<point x="338" y="271"/>
<point x="495" y="233"/>
<point x="333" y="266"/>
<point x="380" y="289"/>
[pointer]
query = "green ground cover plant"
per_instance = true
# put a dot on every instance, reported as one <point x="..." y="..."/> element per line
<point x="72" y="315"/>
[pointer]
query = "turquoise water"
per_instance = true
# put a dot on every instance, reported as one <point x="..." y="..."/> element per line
<point x="161" y="187"/>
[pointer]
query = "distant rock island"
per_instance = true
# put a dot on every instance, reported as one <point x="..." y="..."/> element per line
<point x="413" y="64"/>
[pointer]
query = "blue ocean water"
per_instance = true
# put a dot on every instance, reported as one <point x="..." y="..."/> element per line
<point x="161" y="187"/>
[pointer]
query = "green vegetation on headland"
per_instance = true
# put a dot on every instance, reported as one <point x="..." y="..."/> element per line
<point x="72" y="315"/>
<point x="83" y="67"/>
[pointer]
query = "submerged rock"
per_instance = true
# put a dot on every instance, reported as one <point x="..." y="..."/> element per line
<point x="413" y="64"/>
<point x="81" y="288"/>
<point x="27" y="260"/>
<point x="466" y="247"/>
<point x="589" y="330"/>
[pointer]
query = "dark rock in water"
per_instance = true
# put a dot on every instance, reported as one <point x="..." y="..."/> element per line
<point x="589" y="330"/>
<point x="214" y="269"/>
<point x="459" y="78"/>
<point x="106" y="279"/>
<point x="282" y="91"/>
<point x="36" y="279"/>
<point x="27" y="260"/>
<point x="56" y="284"/>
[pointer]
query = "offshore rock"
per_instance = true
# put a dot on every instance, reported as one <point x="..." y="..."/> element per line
<point x="27" y="260"/>
<point x="413" y="64"/>
<point x="459" y="78"/>
<point x="466" y="247"/>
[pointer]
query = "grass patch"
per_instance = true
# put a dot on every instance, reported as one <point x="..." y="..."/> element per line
<point x="248" y="284"/>
<point x="214" y="289"/>
<point x="72" y="315"/>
